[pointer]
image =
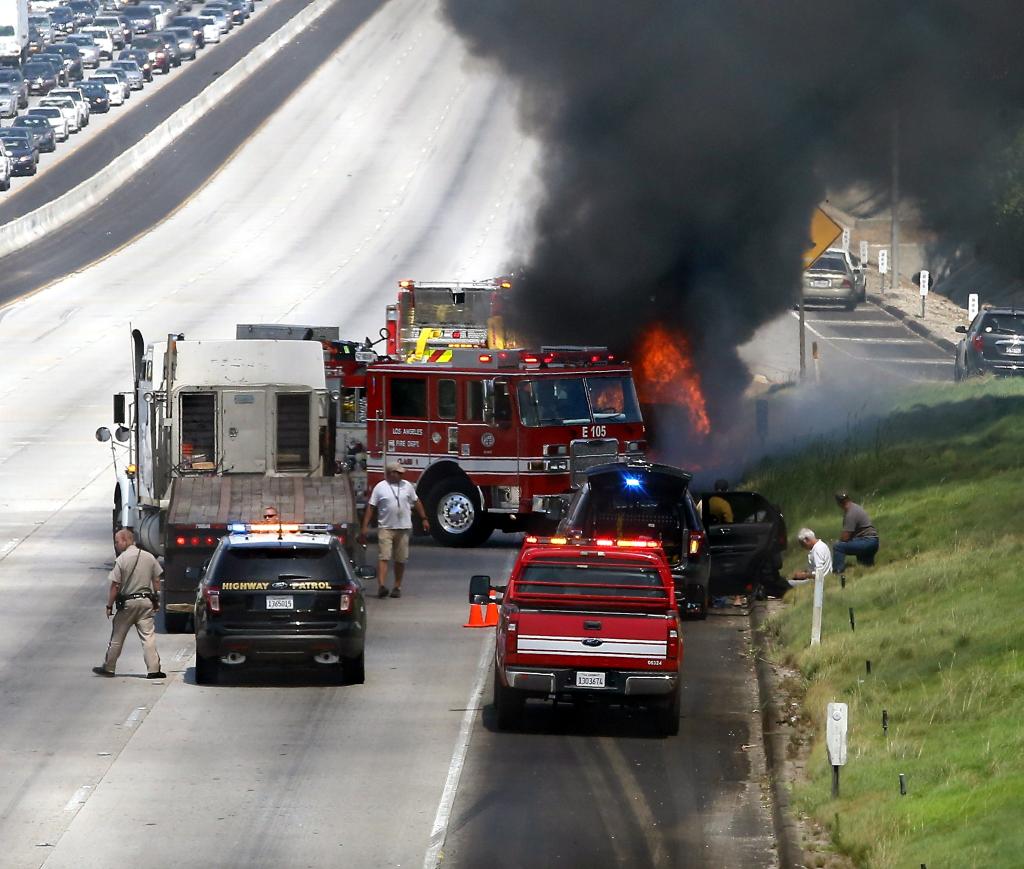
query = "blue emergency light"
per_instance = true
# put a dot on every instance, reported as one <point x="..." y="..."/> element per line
<point x="632" y="482"/>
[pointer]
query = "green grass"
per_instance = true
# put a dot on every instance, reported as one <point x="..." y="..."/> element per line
<point x="939" y="617"/>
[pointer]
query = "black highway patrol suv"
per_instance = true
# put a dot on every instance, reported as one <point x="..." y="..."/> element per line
<point x="280" y="593"/>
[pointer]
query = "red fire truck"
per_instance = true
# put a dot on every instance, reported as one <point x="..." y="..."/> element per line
<point x="491" y="437"/>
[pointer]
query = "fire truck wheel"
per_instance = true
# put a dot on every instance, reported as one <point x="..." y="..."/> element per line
<point x="455" y="515"/>
<point x="508" y="706"/>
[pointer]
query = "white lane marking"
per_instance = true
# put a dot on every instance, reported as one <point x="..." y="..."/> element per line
<point x="78" y="799"/>
<point x="432" y="859"/>
<point x="903" y="360"/>
<point x="889" y="322"/>
<point x="873" y="340"/>
<point x="134" y="717"/>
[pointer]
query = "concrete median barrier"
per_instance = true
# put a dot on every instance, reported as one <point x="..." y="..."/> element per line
<point x="28" y="228"/>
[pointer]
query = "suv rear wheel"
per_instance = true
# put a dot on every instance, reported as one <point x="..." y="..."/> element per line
<point x="207" y="670"/>
<point x="354" y="670"/>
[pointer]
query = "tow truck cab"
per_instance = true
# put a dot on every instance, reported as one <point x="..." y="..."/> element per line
<point x="593" y="620"/>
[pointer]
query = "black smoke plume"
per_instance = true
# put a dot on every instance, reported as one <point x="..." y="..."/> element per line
<point x="686" y="143"/>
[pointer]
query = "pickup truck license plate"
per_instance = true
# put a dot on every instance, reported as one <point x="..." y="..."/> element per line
<point x="590" y="680"/>
<point x="821" y="284"/>
<point x="280" y="602"/>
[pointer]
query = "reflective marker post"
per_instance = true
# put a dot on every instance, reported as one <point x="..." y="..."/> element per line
<point x="836" y="720"/>
<point x="972" y="307"/>
<point x="925" y="283"/>
<point x="883" y="267"/>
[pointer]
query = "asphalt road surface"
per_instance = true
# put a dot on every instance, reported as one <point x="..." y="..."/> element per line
<point x="396" y="157"/>
<point x="857" y="347"/>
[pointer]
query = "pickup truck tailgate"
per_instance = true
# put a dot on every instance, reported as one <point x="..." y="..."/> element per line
<point x="593" y="639"/>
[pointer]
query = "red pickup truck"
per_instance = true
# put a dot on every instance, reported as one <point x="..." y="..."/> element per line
<point x="593" y="620"/>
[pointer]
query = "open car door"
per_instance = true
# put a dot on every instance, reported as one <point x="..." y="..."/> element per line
<point x="746" y="536"/>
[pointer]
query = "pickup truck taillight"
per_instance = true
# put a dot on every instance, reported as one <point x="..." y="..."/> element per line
<point x="510" y="616"/>
<point x="212" y="598"/>
<point x="673" y="643"/>
<point x="697" y="544"/>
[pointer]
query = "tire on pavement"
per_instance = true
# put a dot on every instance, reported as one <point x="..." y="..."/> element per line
<point x="455" y="513"/>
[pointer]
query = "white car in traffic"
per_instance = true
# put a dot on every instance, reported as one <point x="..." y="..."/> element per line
<point x="55" y="118"/>
<point x="103" y="38"/>
<point x="117" y="90"/>
<point x="68" y="109"/>
<point x="80" y="101"/>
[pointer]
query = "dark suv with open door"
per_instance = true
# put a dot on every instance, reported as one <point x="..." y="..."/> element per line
<point x="638" y="499"/>
<point x="280" y="594"/>
<point x="747" y="538"/>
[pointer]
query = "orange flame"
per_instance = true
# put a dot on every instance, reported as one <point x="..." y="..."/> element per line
<point x="665" y="374"/>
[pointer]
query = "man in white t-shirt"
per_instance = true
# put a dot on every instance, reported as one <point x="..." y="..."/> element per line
<point x="819" y="558"/>
<point x="392" y="501"/>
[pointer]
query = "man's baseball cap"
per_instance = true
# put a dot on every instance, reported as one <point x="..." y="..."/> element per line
<point x="394" y="467"/>
<point x="842" y="495"/>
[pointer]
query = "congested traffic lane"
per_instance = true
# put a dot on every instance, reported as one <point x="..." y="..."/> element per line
<point x="868" y="341"/>
<point x="175" y="175"/>
<point x="108" y="135"/>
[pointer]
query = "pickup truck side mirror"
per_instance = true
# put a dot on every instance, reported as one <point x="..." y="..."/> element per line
<point x="961" y="329"/>
<point x="479" y="588"/>
<point x="193" y="574"/>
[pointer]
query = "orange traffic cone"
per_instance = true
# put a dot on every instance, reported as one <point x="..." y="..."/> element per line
<point x="476" y="616"/>
<point x="482" y="615"/>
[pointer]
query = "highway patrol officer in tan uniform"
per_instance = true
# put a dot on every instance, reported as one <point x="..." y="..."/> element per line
<point x="135" y="589"/>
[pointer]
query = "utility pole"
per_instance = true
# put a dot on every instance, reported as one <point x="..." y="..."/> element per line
<point x="894" y="246"/>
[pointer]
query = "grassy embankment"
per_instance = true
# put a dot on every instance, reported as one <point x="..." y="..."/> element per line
<point x="940" y="618"/>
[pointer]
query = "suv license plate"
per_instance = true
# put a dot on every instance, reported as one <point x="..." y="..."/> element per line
<point x="282" y="602"/>
<point x="1013" y="350"/>
<point x="590" y="680"/>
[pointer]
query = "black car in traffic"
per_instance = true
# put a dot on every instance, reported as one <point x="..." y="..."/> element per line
<point x="288" y="596"/>
<point x="22" y="149"/>
<point x="96" y="93"/>
<point x="992" y="344"/>
<point x="42" y="77"/>
<point x="41" y="130"/>
<point x="638" y="499"/>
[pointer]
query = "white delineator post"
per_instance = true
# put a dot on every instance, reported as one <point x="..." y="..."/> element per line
<point x="819" y="600"/>
<point x="836" y="725"/>
<point x="972" y="307"/>
<point x="883" y="267"/>
<point x="926" y="280"/>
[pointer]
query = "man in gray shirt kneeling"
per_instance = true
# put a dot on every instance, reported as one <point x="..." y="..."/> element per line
<point x="859" y="536"/>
